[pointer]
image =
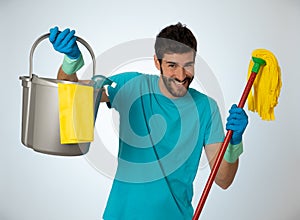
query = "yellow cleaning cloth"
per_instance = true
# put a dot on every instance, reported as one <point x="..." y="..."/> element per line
<point x="76" y="113"/>
<point x="266" y="88"/>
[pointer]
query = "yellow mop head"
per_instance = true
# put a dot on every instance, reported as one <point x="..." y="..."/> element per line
<point x="266" y="88"/>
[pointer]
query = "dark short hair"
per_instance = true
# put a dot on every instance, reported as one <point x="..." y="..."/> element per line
<point x="175" y="39"/>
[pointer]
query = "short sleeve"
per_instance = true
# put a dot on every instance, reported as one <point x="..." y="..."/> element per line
<point x="120" y="79"/>
<point x="214" y="130"/>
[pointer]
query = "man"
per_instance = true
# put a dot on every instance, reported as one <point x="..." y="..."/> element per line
<point x="164" y="125"/>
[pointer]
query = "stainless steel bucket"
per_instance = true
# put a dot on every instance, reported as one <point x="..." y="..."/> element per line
<point x="40" y="111"/>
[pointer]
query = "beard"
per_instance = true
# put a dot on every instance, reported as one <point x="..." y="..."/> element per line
<point x="176" y="87"/>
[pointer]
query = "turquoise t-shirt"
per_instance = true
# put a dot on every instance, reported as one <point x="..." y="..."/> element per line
<point x="160" y="144"/>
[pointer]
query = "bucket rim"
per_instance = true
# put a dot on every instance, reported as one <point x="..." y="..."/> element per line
<point x="54" y="82"/>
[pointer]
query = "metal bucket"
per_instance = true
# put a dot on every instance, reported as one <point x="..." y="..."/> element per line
<point x="40" y="111"/>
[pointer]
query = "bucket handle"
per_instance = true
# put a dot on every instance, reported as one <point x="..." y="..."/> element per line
<point x="82" y="41"/>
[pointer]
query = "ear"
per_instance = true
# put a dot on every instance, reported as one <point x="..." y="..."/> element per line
<point x="156" y="62"/>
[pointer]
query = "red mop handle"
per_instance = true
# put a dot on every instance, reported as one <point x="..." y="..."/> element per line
<point x="221" y="153"/>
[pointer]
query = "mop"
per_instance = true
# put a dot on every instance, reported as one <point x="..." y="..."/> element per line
<point x="262" y="99"/>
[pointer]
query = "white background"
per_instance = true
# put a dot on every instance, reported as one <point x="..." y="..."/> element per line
<point x="39" y="186"/>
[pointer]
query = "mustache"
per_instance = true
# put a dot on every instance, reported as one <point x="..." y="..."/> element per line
<point x="189" y="79"/>
<point x="186" y="79"/>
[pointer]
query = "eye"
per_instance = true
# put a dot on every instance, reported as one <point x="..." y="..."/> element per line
<point x="189" y="66"/>
<point x="171" y="65"/>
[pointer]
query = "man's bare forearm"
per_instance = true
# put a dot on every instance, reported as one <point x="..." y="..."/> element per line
<point x="61" y="75"/>
<point x="226" y="173"/>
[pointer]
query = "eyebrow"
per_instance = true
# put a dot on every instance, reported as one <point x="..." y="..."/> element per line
<point x="173" y="62"/>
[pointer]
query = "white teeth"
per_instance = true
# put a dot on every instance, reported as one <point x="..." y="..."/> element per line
<point x="179" y="83"/>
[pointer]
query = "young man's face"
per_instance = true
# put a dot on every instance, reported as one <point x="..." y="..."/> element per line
<point x="177" y="73"/>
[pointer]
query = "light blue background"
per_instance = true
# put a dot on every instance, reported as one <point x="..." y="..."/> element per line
<point x="38" y="186"/>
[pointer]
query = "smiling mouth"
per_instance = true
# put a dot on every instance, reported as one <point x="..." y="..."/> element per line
<point x="178" y="82"/>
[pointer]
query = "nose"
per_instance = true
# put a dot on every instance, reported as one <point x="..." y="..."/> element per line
<point x="181" y="73"/>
